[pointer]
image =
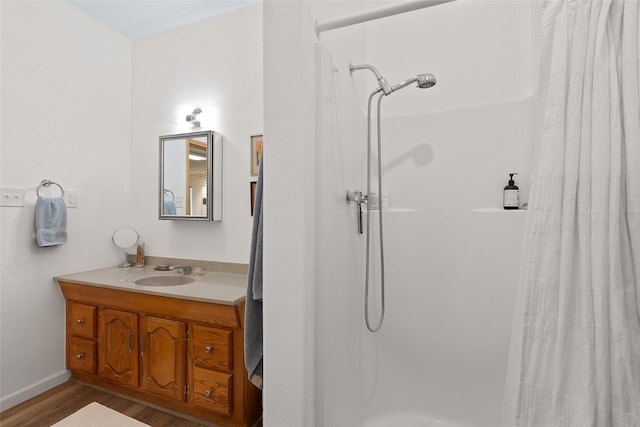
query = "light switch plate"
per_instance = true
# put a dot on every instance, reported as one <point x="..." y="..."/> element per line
<point x="12" y="196"/>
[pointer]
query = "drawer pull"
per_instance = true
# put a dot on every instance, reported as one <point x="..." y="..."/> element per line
<point x="208" y="349"/>
<point x="80" y="321"/>
<point x="208" y="393"/>
<point x="79" y="356"/>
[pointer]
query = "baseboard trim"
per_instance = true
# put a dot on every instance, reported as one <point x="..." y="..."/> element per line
<point x="34" y="389"/>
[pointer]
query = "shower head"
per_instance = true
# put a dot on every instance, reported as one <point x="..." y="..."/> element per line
<point x="381" y="80"/>
<point x="423" y="81"/>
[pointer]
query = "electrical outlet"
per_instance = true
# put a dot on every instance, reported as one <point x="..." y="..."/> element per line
<point x="71" y="198"/>
<point x="12" y="197"/>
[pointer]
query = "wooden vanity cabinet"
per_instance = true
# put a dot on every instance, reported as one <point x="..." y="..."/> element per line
<point x="185" y="355"/>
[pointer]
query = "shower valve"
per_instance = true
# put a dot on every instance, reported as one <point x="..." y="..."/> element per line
<point x="358" y="198"/>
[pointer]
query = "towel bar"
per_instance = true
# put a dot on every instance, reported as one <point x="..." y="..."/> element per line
<point x="47" y="183"/>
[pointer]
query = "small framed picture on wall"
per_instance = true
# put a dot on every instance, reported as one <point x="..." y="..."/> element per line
<point x="256" y="153"/>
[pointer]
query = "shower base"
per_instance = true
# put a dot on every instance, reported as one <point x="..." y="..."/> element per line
<point x="410" y="420"/>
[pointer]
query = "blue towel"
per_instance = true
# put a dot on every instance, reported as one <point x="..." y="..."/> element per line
<point x="51" y="221"/>
<point x="169" y="208"/>
<point x="253" y="303"/>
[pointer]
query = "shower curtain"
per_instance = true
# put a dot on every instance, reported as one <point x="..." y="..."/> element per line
<point x="575" y="353"/>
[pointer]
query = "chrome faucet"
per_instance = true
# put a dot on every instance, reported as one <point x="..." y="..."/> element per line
<point x="186" y="269"/>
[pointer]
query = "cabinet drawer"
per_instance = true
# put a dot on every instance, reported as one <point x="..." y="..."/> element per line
<point x="81" y="355"/>
<point x="82" y="320"/>
<point x="212" y="348"/>
<point x="212" y="390"/>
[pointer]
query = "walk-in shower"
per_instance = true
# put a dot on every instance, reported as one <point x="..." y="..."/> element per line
<point x="452" y="254"/>
<point x="423" y="81"/>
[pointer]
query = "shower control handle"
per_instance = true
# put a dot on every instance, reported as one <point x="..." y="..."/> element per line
<point x="358" y="198"/>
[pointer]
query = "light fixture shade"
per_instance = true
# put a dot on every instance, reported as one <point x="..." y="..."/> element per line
<point x="193" y="117"/>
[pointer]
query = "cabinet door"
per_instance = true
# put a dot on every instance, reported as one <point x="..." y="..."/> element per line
<point x="163" y="354"/>
<point x="119" y="346"/>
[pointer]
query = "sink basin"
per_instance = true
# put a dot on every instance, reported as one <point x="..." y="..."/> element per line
<point x="164" y="280"/>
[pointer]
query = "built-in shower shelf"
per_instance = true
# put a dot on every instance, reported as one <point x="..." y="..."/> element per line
<point x="395" y="210"/>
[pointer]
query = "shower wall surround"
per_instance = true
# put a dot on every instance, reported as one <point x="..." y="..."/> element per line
<point x="452" y="253"/>
<point x="97" y="103"/>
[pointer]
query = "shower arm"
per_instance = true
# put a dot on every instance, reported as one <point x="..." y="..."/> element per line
<point x="384" y="86"/>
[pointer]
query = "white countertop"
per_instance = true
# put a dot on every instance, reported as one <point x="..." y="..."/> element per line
<point x="219" y="288"/>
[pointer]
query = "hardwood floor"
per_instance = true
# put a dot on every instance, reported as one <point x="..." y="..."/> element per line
<point x="60" y="402"/>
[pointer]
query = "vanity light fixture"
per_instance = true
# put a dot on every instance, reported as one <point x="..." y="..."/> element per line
<point x="196" y="157"/>
<point x="193" y="118"/>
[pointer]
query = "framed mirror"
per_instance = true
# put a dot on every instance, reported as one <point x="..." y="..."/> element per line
<point x="191" y="176"/>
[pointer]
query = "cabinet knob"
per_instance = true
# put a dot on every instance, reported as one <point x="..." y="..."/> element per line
<point x="208" y="393"/>
<point x="80" y="321"/>
<point x="208" y="349"/>
<point x="79" y="356"/>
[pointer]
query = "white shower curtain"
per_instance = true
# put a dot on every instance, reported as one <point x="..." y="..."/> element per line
<point x="575" y="355"/>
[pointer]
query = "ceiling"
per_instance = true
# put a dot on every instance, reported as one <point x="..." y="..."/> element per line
<point x="141" y="18"/>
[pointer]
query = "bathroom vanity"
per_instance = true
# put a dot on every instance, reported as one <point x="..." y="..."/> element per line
<point x="177" y="346"/>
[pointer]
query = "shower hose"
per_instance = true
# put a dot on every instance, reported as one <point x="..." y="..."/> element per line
<point x="379" y="203"/>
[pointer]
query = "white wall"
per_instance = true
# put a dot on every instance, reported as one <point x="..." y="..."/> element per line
<point x="84" y="107"/>
<point x="288" y="215"/>
<point x="66" y="85"/>
<point x="214" y="64"/>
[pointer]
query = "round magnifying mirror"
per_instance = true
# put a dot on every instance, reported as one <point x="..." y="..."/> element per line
<point x="125" y="238"/>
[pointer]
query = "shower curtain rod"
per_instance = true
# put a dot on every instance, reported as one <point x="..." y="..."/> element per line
<point x="370" y="15"/>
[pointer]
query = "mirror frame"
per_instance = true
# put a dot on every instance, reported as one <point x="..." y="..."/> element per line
<point x="214" y="177"/>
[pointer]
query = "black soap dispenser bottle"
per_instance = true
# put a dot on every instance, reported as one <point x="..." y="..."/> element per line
<point x="511" y="197"/>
